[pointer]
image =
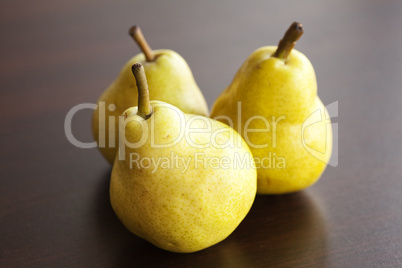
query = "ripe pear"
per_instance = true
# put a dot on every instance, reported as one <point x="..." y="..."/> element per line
<point x="272" y="102"/>
<point x="170" y="79"/>
<point x="182" y="182"/>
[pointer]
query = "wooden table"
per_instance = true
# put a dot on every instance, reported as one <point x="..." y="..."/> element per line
<point x="54" y="204"/>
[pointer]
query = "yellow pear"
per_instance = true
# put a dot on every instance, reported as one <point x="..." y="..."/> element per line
<point x="170" y="79"/>
<point x="272" y="102"/>
<point x="182" y="182"/>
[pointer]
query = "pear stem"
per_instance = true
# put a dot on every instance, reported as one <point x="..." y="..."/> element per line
<point x="288" y="41"/>
<point x="144" y="107"/>
<point x="139" y="38"/>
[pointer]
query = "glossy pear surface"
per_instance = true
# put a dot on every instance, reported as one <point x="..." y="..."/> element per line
<point x="294" y="140"/>
<point x="179" y="208"/>
<point x="171" y="81"/>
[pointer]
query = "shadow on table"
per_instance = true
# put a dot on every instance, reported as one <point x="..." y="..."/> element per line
<point x="286" y="230"/>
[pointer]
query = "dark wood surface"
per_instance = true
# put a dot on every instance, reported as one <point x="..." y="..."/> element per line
<point x="54" y="205"/>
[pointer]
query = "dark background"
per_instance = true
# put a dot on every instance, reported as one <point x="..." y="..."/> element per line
<point x="54" y="206"/>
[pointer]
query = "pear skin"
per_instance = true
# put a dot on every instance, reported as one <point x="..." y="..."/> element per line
<point x="272" y="102"/>
<point x="170" y="80"/>
<point x="182" y="188"/>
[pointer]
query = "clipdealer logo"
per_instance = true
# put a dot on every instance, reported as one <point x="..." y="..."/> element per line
<point x="273" y="160"/>
<point x="200" y="160"/>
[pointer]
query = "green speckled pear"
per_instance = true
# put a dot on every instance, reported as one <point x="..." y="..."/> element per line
<point x="272" y="102"/>
<point x="188" y="184"/>
<point x="170" y="79"/>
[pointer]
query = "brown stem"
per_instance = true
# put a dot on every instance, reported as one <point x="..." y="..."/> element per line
<point x="288" y="41"/>
<point x="144" y="108"/>
<point x="138" y="37"/>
